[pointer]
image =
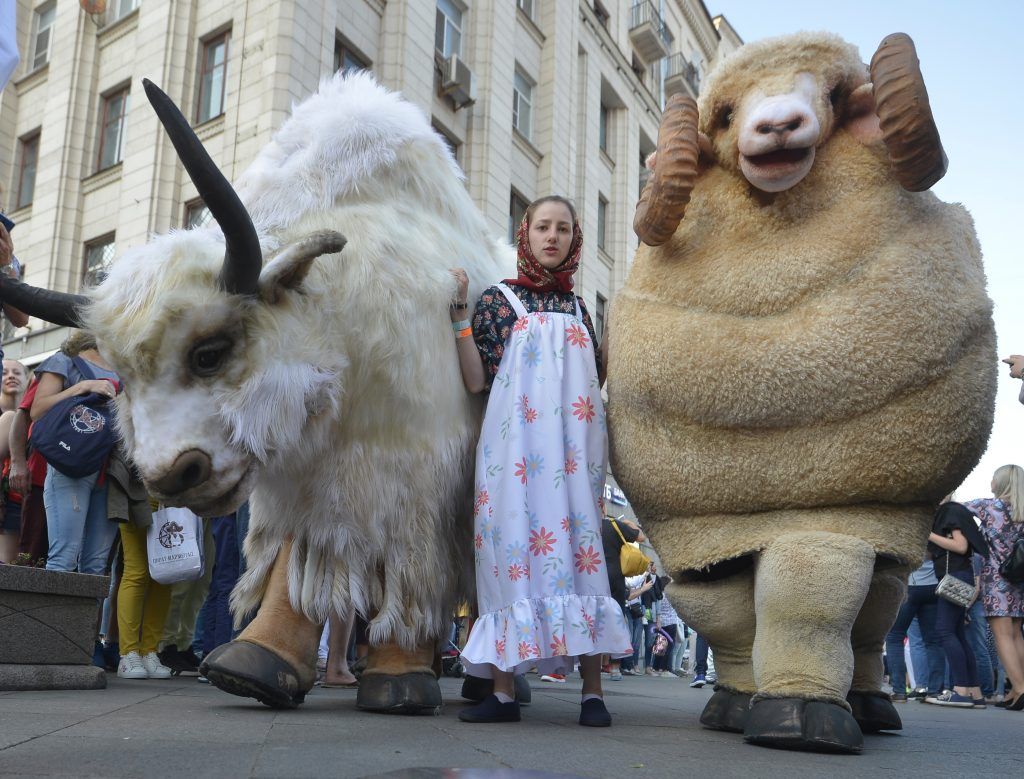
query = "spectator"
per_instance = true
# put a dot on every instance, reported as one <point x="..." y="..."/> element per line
<point x="13" y="387"/>
<point x="636" y="586"/>
<point x="76" y="509"/>
<point x="615" y="533"/>
<point x="949" y="545"/>
<point x="181" y="638"/>
<point x="667" y="622"/>
<point x="700" y="663"/>
<point x="337" y="673"/>
<point x="1002" y="600"/>
<point x="649" y="600"/>
<point x="920" y="602"/>
<point x="216" y="614"/>
<point x="141" y="602"/>
<point x="27" y="477"/>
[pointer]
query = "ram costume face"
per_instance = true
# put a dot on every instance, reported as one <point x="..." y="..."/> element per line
<point x="269" y="355"/>
<point x="802" y="363"/>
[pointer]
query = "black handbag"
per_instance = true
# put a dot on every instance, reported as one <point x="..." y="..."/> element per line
<point x="1012" y="568"/>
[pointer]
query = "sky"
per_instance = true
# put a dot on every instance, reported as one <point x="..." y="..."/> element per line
<point x="972" y="59"/>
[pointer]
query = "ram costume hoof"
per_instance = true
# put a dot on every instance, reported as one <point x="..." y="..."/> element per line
<point x="252" y="671"/>
<point x="795" y="723"/>
<point x="874" y="711"/>
<point x="726" y="710"/>
<point x="413" y="693"/>
<point x="475" y="688"/>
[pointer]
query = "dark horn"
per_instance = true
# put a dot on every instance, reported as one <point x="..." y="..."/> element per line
<point x="243" y="258"/>
<point x="60" y="308"/>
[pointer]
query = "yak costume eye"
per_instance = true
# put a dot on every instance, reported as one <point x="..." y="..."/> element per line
<point x="724" y="118"/>
<point x="208" y="357"/>
<point x="835" y="95"/>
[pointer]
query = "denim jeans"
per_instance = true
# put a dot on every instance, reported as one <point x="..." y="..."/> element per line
<point x="700" y="665"/>
<point x="636" y="633"/>
<point x="950" y="626"/>
<point x="76" y="522"/>
<point x="216" y="614"/>
<point x="920" y="603"/>
<point x="977" y="637"/>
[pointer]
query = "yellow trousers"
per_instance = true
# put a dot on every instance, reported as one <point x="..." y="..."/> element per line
<point x="141" y="602"/>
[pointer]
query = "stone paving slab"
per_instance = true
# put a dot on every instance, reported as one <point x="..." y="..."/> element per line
<point x="180" y="728"/>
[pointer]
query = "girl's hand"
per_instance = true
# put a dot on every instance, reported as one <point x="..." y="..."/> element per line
<point x="19" y="478"/>
<point x="461" y="286"/>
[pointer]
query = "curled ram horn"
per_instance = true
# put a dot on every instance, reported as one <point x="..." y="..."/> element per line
<point x="663" y="201"/>
<point x="59" y="308"/>
<point x="905" y="115"/>
<point x="243" y="258"/>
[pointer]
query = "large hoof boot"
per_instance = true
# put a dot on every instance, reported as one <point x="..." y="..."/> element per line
<point x="726" y="710"/>
<point x="475" y="688"/>
<point x="252" y="671"/>
<point x="411" y="693"/>
<point x="795" y="723"/>
<point x="874" y="711"/>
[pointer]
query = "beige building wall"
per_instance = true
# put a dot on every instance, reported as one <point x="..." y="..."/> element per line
<point x="580" y="57"/>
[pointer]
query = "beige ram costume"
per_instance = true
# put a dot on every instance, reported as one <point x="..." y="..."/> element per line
<point x="799" y="369"/>
<point x="260" y="358"/>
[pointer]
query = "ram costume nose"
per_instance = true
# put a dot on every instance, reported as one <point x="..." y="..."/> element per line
<point x="191" y="469"/>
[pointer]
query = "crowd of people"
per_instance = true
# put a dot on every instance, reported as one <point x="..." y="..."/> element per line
<point x="551" y="591"/>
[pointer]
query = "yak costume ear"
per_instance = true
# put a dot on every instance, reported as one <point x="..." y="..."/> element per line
<point x="288" y="269"/>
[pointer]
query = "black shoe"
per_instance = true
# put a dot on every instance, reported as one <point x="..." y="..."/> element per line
<point x="476" y="688"/>
<point x="190" y="658"/>
<point x="176" y="661"/>
<point x="111" y="656"/>
<point x="1017" y="705"/>
<point x="594" y="714"/>
<point x="491" y="710"/>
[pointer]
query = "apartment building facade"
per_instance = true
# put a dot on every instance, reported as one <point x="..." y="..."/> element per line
<point x="534" y="97"/>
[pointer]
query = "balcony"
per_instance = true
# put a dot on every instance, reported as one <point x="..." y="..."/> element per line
<point x="681" y="76"/>
<point x="647" y="32"/>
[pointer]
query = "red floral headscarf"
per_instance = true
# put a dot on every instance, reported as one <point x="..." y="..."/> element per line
<point x="533" y="275"/>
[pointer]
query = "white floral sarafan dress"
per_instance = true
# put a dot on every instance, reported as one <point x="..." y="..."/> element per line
<point x="542" y="584"/>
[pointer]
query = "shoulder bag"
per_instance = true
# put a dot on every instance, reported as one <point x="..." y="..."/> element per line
<point x="1012" y="568"/>
<point x="632" y="561"/>
<point x="955" y="590"/>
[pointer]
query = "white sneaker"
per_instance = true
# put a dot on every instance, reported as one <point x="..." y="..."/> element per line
<point x="154" y="667"/>
<point x="131" y="667"/>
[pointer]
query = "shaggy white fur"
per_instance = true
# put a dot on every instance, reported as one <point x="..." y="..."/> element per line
<point x="340" y="403"/>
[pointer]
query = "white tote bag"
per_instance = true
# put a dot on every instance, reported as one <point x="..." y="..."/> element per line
<point x="174" y="543"/>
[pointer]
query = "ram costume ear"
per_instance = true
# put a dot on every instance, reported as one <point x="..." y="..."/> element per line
<point x="289" y="268"/>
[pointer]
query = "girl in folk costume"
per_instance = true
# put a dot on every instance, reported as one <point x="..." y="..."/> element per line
<point x="542" y="586"/>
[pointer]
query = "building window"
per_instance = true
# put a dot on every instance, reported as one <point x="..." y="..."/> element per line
<point x="119" y="9"/>
<point x="526" y="6"/>
<point x="42" y="34"/>
<point x="27" y="170"/>
<point x="522" y="100"/>
<point x="452" y="143"/>
<point x="602" y="221"/>
<point x="99" y="253"/>
<point x="602" y="129"/>
<point x="516" y="211"/>
<point x="212" y="78"/>
<point x="600" y="311"/>
<point x="115" y="106"/>
<point x="346" y="60"/>
<point x="601" y="13"/>
<point x="448" y="29"/>
<point x="197" y="214"/>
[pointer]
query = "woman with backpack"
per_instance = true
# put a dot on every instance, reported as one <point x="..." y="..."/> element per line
<point x="76" y="508"/>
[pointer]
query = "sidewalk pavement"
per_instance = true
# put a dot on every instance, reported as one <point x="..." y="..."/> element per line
<point x="180" y="728"/>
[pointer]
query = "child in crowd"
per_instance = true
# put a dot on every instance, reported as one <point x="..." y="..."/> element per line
<point x="541" y="580"/>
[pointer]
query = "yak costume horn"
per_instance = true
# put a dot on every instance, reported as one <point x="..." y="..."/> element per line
<point x="905" y="115"/>
<point x="243" y="258"/>
<point x="663" y="201"/>
<point x="59" y="308"/>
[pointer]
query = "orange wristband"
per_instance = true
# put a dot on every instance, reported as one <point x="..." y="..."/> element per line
<point x="464" y="332"/>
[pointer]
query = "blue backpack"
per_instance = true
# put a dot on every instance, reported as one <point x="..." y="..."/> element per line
<point x="76" y="435"/>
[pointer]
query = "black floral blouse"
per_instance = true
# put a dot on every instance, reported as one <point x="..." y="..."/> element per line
<point x="494" y="317"/>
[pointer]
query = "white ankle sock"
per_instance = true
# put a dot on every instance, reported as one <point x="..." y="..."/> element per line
<point x="590" y="695"/>
<point x="503" y="698"/>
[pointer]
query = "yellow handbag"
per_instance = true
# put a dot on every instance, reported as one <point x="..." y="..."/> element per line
<point x="632" y="561"/>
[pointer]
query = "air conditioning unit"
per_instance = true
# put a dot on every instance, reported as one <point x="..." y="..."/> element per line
<point x="457" y="81"/>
